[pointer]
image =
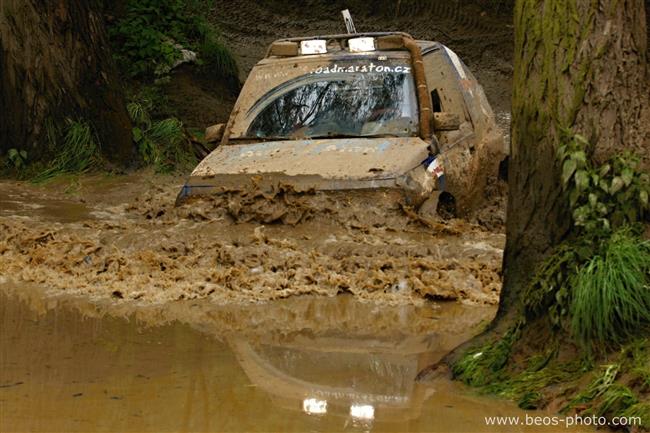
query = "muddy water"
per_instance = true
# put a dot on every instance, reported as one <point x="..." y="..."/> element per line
<point x="122" y="238"/>
<point x="299" y="364"/>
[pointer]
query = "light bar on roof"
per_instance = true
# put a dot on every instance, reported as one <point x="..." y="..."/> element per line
<point x="313" y="46"/>
<point x="360" y="45"/>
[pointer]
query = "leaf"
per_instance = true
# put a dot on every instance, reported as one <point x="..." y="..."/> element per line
<point x="574" y="195"/>
<point x="137" y="134"/>
<point x="580" y="156"/>
<point x="602" y="209"/>
<point x="627" y="174"/>
<point x="595" y="179"/>
<point x="630" y="213"/>
<point x="643" y="197"/>
<point x="617" y="184"/>
<point x="603" y="185"/>
<point x="580" y="139"/>
<point x="580" y="215"/>
<point x="582" y="180"/>
<point x="605" y="223"/>
<point x="593" y="199"/>
<point x="604" y="169"/>
<point x="568" y="168"/>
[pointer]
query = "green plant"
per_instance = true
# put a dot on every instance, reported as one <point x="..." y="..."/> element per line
<point x="549" y="291"/>
<point x="606" y="197"/>
<point x="641" y="411"/>
<point x="481" y="366"/>
<point x="616" y="399"/>
<point x="596" y="388"/>
<point x="17" y="158"/>
<point x="78" y="153"/>
<point x="597" y="277"/>
<point x="163" y="143"/>
<point x="144" y="37"/>
<point x="149" y="37"/>
<point x="611" y="293"/>
<point x="526" y="387"/>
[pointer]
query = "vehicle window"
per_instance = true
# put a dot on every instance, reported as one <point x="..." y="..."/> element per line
<point x="338" y="103"/>
<point x="444" y="81"/>
<point x="435" y="101"/>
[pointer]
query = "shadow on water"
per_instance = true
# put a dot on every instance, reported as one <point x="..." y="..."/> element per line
<point x="299" y="364"/>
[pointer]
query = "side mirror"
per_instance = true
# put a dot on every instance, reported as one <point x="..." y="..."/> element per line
<point x="446" y="122"/>
<point x="214" y="132"/>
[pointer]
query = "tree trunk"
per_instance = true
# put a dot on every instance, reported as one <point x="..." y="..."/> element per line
<point x="580" y="65"/>
<point x="55" y="63"/>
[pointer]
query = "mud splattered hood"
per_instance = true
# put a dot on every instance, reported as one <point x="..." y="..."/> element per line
<point x="342" y="158"/>
<point x="329" y="164"/>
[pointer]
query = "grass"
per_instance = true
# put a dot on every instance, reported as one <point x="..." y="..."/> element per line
<point x="480" y="367"/>
<point x="138" y="113"/>
<point x="163" y="143"/>
<point x="611" y="297"/>
<point x="527" y="387"/>
<point x="78" y="153"/>
<point x="640" y="411"/>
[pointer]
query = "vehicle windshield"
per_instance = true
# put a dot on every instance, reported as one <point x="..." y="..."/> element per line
<point x="338" y="101"/>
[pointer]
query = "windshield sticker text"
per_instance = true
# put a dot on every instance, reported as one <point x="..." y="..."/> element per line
<point x="336" y="69"/>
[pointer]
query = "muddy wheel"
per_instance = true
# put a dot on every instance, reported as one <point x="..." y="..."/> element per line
<point x="429" y="209"/>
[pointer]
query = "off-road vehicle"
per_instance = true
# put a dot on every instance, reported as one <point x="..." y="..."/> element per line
<point x="356" y="112"/>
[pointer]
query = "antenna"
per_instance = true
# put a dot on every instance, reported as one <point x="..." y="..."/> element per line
<point x="349" y="23"/>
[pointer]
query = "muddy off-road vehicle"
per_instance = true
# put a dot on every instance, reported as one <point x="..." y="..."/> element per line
<point x="364" y="111"/>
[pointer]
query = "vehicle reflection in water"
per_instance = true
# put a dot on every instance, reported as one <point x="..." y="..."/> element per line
<point x="351" y="378"/>
<point x="300" y="364"/>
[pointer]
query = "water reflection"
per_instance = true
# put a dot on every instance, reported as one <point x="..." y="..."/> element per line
<point x="302" y="364"/>
<point x="345" y="377"/>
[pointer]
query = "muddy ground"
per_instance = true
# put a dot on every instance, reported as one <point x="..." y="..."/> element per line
<point x="122" y="238"/>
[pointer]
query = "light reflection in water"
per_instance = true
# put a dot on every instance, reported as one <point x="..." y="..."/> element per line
<point x="362" y="411"/>
<point x="313" y="406"/>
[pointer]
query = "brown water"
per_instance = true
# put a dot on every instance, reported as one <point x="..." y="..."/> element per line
<point x="300" y="364"/>
<point x="122" y="237"/>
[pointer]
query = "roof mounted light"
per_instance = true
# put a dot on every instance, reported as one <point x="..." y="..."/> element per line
<point x="360" y="45"/>
<point x="313" y="46"/>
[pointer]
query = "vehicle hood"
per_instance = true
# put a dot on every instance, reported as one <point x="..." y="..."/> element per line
<point x="341" y="158"/>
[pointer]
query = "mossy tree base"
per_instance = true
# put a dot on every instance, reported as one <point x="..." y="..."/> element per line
<point x="580" y="68"/>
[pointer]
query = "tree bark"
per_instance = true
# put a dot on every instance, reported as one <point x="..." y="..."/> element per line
<point x="580" y="66"/>
<point x="55" y="63"/>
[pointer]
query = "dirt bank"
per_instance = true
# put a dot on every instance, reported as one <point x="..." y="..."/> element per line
<point x="122" y="238"/>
